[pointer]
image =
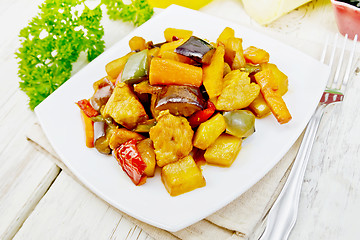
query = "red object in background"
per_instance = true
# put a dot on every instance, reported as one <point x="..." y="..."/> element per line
<point x="86" y="107"/>
<point x="131" y="162"/>
<point x="347" y="18"/>
<point x="201" y="116"/>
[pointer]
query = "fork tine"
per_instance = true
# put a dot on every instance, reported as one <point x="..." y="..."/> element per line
<point x="322" y="59"/>
<point x="332" y="59"/>
<point x="336" y="84"/>
<point x="348" y="68"/>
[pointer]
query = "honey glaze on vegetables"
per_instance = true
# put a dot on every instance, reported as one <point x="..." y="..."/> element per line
<point x="182" y="103"/>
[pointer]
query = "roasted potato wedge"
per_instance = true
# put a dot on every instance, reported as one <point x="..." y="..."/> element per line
<point x="209" y="131"/>
<point x="223" y="151"/>
<point x="182" y="176"/>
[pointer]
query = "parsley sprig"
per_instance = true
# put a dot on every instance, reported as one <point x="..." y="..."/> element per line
<point x="54" y="39"/>
<point x="138" y="12"/>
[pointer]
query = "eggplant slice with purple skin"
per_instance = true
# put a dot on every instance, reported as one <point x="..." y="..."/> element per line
<point x="196" y="49"/>
<point x="180" y="100"/>
<point x="103" y="90"/>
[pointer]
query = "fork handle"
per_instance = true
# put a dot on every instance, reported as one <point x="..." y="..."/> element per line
<point x="283" y="214"/>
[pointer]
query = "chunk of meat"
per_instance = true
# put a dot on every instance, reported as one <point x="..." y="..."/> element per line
<point x="172" y="138"/>
<point x="238" y="92"/>
<point x="124" y="107"/>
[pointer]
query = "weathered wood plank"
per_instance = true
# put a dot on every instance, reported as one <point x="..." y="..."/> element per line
<point x="25" y="174"/>
<point x="329" y="205"/>
<point x="69" y="211"/>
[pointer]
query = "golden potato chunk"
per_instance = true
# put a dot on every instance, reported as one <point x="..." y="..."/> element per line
<point x="234" y="53"/>
<point x="225" y="35"/>
<point x="209" y="131"/>
<point x="169" y="33"/>
<point x="213" y="73"/>
<point x="122" y="135"/>
<point x="279" y="76"/>
<point x="147" y="153"/>
<point x="268" y="84"/>
<point x="223" y="151"/>
<point x="124" y="107"/>
<point x="137" y="43"/>
<point x="256" y="55"/>
<point x="115" y="67"/>
<point x="259" y="107"/>
<point x="182" y="176"/>
<point x="172" y="138"/>
<point x="238" y="92"/>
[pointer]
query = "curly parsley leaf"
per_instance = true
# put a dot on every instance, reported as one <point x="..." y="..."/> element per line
<point x="52" y="42"/>
<point x="54" y="39"/>
<point x="138" y="12"/>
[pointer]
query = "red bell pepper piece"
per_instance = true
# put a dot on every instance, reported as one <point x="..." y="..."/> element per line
<point x="131" y="162"/>
<point x="86" y="107"/>
<point x="201" y="116"/>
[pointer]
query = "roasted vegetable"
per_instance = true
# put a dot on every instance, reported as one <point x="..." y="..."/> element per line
<point x="124" y="107"/>
<point x="169" y="72"/>
<point x="155" y="113"/>
<point x="225" y="35"/>
<point x="87" y="109"/>
<point x="136" y="68"/>
<point x="115" y="67"/>
<point x="251" y="68"/>
<point x="170" y="33"/>
<point x="179" y="100"/>
<point x="256" y="55"/>
<point x="131" y="162"/>
<point x="209" y="131"/>
<point x="213" y="73"/>
<point x="144" y="127"/>
<point x="176" y="57"/>
<point x="102" y="145"/>
<point x="89" y="130"/>
<point x="103" y="91"/>
<point x="137" y="43"/>
<point x="234" y="53"/>
<point x="274" y="100"/>
<point x="280" y="77"/>
<point x="237" y="93"/>
<point x="147" y="153"/>
<point x="170" y="46"/>
<point x="223" y="151"/>
<point x="259" y="107"/>
<point x="240" y="123"/>
<point x="172" y="138"/>
<point x="227" y="69"/>
<point x="194" y="48"/>
<point x="145" y="87"/>
<point x="201" y="116"/>
<point x="182" y="176"/>
<point x="122" y="135"/>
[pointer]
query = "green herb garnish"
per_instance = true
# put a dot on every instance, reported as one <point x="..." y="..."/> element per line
<point x="54" y="39"/>
<point x="138" y="12"/>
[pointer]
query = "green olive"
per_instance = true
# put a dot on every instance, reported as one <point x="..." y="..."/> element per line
<point x="240" y="123"/>
<point x="102" y="145"/>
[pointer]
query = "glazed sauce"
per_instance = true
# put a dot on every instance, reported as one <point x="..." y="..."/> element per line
<point x="355" y="3"/>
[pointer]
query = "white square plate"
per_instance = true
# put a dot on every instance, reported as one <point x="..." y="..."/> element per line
<point x="60" y="119"/>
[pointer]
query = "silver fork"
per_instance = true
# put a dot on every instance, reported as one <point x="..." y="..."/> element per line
<point x="282" y="216"/>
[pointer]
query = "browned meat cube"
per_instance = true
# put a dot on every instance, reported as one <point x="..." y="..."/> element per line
<point x="172" y="138"/>
<point x="124" y="107"/>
